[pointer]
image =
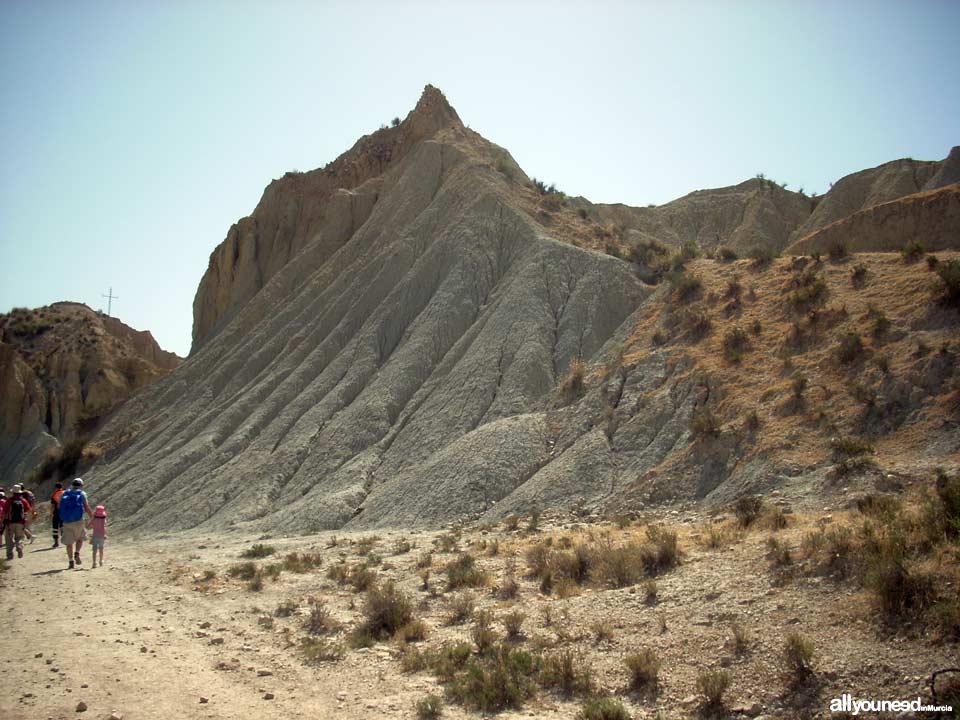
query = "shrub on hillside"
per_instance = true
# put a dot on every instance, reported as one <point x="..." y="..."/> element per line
<point x="849" y="348"/>
<point x="949" y="289"/>
<point x="912" y="251"/>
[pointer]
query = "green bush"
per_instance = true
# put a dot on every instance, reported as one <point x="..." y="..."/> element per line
<point x="429" y="707"/>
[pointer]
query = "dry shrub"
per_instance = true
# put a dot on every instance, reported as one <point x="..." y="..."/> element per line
<point x="463" y="572"/>
<point x="644" y="670"/>
<point x="712" y="684"/>
<point x="568" y="672"/>
<point x="492" y="683"/>
<point x="573" y="385"/>
<point x="797" y="658"/>
<point x="386" y="610"/>
<point x="317" y="650"/>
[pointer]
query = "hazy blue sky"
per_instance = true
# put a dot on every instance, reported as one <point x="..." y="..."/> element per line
<point x="134" y="133"/>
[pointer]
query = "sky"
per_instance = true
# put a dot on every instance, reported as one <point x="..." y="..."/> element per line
<point x="133" y="133"/>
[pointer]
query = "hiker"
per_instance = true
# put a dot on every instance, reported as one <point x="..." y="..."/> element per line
<point x="99" y="525"/>
<point x="73" y="504"/>
<point x="3" y="502"/>
<point x="32" y="499"/>
<point x="16" y="510"/>
<point x="55" y="521"/>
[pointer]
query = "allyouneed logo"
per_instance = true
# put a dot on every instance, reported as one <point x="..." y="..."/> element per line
<point x="846" y="703"/>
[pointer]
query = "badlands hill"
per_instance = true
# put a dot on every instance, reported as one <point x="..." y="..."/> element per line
<point x="63" y="368"/>
<point x="418" y="332"/>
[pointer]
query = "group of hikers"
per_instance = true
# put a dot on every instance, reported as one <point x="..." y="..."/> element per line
<point x="18" y="510"/>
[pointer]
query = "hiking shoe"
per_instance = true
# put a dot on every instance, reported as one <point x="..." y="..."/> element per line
<point x="19" y="552"/>
<point x="76" y="556"/>
<point x="71" y="565"/>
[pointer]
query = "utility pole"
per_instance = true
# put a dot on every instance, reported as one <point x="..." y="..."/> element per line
<point x="110" y="298"/>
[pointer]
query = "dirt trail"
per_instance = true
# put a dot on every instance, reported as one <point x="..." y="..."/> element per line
<point x="164" y="625"/>
<point x="126" y="638"/>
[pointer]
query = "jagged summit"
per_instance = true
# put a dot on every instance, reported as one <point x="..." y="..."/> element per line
<point x="323" y="205"/>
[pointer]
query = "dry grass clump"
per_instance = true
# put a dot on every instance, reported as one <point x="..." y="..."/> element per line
<point x="735" y="343"/>
<point x="463" y="572"/>
<point x="797" y="658"/>
<point x="258" y="551"/>
<point x="286" y="608"/>
<point x="500" y="680"/>
<point x="301" y="562"/>
<point x="572" y="385"/>
<point x="644" y="670"/>
<point x="606" y="708"/>
<point x="513" y="622"/>
<point x="386" y="610"/>
<point x="748" y="509"/>
<point x="704" y="423"/>
<point x="317" y="650"/>
<point x="947" y="292"/>
<point x="567" y="672"/>
<point x="242" y="571"/>
<point x="320" y="621"/>
<point x="712" y="685"/>
<point x="460" y="608"/>
<point x="429" y="707"/>
<point x="684" y="285"/>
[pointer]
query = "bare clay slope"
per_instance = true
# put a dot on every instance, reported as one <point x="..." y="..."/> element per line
<point x="399" y="379"/>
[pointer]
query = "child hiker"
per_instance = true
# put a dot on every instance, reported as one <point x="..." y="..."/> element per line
<point x="99" y="525"/>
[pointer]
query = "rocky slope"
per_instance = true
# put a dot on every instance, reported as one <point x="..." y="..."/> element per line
<point x="417" y="332"/>
<point x="62" y="369"/>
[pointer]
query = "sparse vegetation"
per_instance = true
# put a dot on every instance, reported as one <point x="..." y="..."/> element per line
<point x="848" y="348"/>
<point x="606" y="708"/>
<point x="797" y="657"/>
<point x="258" y="551"/>
<point x="712" y="685"/>
<point x="643" y="668"/>
<point x="386" y="611"/>
<point x="684" y="285"/>
<point x="572" y="385"/>
<point x="948" y="292"/>
<point x="429" y="707"/>
<point x="912" y="251"/>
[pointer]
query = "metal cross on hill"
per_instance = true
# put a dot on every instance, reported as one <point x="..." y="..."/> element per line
<point x="110" y="298"/>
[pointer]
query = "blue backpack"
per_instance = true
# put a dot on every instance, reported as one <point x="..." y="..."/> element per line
<point x="71" y="506"/>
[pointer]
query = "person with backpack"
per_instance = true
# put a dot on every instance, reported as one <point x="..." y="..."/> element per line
<point x="73" y="504"/>
<point x="32" y="499"/>
<point x="55" y="520"/>
<point x="16" y="510"/>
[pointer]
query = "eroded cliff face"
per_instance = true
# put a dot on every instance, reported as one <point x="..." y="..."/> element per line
<point x="62" y="369"/>
<point x="866" y="188"/>
<point x="931" y="218"/>
<point x="322" y="208"/>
